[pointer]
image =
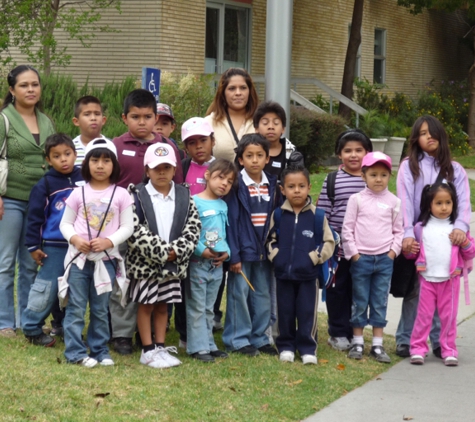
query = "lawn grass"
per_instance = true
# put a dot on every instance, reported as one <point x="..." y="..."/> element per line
<point x="37" y="384"/>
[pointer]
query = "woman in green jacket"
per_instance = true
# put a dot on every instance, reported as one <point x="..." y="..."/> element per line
<point x="27" y="133"/>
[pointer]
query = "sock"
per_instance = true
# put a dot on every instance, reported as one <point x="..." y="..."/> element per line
<point x="357" y="340"/>
<point x="160" y="344"/>
<point x="148" y="348"/>
<point x="377" y="341"/>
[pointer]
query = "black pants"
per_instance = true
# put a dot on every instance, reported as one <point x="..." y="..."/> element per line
<point x="297" y="300"/>
<point x="339" y="298"/>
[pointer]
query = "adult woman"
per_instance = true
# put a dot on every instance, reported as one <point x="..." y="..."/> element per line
<point x="28" y="130"/>
<point x="231" y="111"/>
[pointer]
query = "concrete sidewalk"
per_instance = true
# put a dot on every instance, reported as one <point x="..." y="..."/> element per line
<point x="427" y="393"/>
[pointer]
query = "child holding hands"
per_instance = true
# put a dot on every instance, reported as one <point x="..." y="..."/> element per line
<point x="372" y="236"/>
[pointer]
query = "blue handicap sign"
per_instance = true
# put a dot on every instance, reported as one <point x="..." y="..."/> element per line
<point x="151" y="81"/>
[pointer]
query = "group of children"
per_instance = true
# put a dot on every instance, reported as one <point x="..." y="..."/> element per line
<point x="138" y="211"/>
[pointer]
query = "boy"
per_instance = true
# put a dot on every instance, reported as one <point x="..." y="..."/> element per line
<point x="166" y="125"/>
<point x="89" y="118"/>
<point x="43" y="238"/>
<point x="372" y="235"/>
<point x="351" y="146"/>
<point x="140" y="116"/>
<point x="295" y="254"/>
<point x="269" y="121"/>
<point x="248" y="312"/>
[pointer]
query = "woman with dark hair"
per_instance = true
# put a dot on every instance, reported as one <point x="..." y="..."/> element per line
<point x="25" y="140"/>
<point x="230" y="114"/>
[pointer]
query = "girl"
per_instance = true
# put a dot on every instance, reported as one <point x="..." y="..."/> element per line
<point x="206" y="271"/>
<point x="97" y="219"/>
<point x="439" y="263"/>
<point x="166" y="232"/>
<point x="429" y="158"/>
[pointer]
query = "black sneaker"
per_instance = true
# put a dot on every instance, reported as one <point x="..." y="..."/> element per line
<point x="203" y="357"/>
<point x="123" y="345"/>
<point x="247" y="350"/>
<point x="218" y="354"/>
<point x="41" y="340"/>
<point x="437" y="352"/>
<point x="402" y="350"/>
<point x="356" y="351"/>
<point x="378" y="353"/>
<point x="268" y="350"/>
<point x="57" y="332"/>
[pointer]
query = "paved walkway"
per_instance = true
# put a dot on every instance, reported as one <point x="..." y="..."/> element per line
<point x="427" y="393"/>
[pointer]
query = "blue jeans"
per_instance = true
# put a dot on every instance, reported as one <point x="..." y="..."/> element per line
<point x="247" y="311"/>
<point x="44" y="291"/>
<point x="205" y="280"/>
<point x="13" y="251"/>
<point x="408" y="316"/>
<point x="371" y="276"/>
<point x="82" y="290"/>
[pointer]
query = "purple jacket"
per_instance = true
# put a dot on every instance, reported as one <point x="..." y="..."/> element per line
<point x="410" y="192"/>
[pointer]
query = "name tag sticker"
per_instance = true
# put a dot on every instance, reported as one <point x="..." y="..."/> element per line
<point x="129" y="153"/>
<point x="80" y="183"/>
<point x="209" y="212"/>
<point x="276" y="164"/>
<point x="201" y="180"/>
<point x="266" y="198"/>
<point x="383" y="206"/>
<point x="105" y="200"/>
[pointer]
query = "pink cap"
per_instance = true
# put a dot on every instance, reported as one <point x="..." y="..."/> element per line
<point x="372" y="158"/>
<point x="195" y="126"/>
<point x="159" y="153"/>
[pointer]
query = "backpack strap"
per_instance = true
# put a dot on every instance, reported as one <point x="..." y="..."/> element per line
<point x="331" y="181"/>
<point x="319" y="216"/>
<point x="3" y="151"/>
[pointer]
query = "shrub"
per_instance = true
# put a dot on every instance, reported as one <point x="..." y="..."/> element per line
<point x="314" y="134"/>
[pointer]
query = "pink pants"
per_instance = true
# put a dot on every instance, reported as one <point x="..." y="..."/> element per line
<point x="444" y="296"/>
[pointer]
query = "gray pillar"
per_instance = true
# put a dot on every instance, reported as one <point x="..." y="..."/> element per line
<point x="279" y="53"/>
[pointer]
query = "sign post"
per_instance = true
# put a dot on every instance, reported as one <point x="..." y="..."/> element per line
<point x="151" y="81"/>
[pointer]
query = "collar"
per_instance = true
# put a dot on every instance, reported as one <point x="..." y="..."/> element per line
<point x="207" y="163"/>
<point x="249" y="182"/>
<point x="154" y="194"/>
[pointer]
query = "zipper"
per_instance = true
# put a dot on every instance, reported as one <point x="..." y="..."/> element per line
<point x="292" y="249"/>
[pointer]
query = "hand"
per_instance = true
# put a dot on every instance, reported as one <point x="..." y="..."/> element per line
<point x="220" y="259"/>
<point x="82" y="245"/>
<point x="235" y="268"/>
<point x="38" y="255"/>
<point x="392" y="254"/>
<point x="457" y="237"/>
<point x="415" y="248"/>
<point x="171" y="255"/>
<point x="2" y="209"/>
<point x="209" y="254"/>
<point x="355" y="258"/>
<point x="99" y="244"/>
<point x="407" y="244"/>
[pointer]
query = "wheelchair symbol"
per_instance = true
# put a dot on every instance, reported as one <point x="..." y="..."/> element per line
<point x="151" y="85"/>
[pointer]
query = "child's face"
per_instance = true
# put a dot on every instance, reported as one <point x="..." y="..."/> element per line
<point x="100" y="168"/>
<point x="141" y="122"/>
<point x="199" y="148"/>
<point x="442" y="204"/>
<point x="164" y="126"/>
<point x="296" y="189"/>
<point x="62" y="158"/>
<point x="218" y="183"/>
<point x="161" y="176"/>
<point x="254" y="160"/>
<point x="377" y="177"/>
<point x="352" y="156"/>
<point x="426" y="141"/>
<point x="90" y="121"/>
<point x="270" y="127"/>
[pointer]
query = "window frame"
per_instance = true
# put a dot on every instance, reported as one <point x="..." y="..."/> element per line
<point x="380" y="57"/>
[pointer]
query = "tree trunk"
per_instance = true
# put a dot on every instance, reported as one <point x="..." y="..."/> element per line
<point x="350" y="60"/>
<point x="471" y="110"/>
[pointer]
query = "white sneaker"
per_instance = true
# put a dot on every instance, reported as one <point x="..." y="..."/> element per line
<point x="309" y="359"/>
<point x="287" y="356"/>
<point x="451" y="361"/>
<point x="339" y="343"/>
<point x="164" y="353"/>
<point x="88" y="362"/>
<point x="106" y="362"/>
<point x="151" y="359"/>
<point x="182" y="344"/>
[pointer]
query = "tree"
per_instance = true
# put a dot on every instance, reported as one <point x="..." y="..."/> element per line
<point x="418" y="6"/>
<point x="30" y="26"/>
<point x="350" y="60"/>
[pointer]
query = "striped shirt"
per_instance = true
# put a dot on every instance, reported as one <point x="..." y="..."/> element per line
<point x="345" y="186"/>
<point x="258" y="202"/>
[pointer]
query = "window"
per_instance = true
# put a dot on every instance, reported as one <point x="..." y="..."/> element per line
<point x="227" y="37"/>
<point x="379" y="69"/>
<point x="358" y="56"/>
